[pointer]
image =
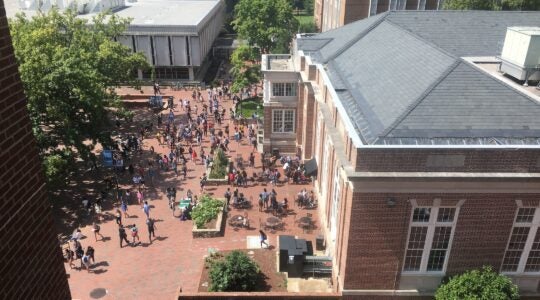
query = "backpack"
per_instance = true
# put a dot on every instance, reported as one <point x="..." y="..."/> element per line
<point x="85" y="259"/>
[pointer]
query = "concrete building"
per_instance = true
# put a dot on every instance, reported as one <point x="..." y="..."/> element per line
<point x="330" y="14"/>
<point x="428" y="156"/>
<point x="31" y="260"/>
<point x="175" y="35"/>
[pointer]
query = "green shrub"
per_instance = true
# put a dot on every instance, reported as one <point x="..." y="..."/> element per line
<point x="236" y="273"/>
<point x="478" y="284"/>
<point x="206" y="211"/>
<point x="219" y="166"/>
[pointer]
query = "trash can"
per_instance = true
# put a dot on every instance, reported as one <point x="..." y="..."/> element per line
<point x="319" y="243"/>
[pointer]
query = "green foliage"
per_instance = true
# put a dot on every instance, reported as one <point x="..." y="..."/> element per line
<point x="249" y="107"/>
<point x="306" y="24"/>
<point x="57" y="167"/>
<point x="266" y="24"/>
<point x="308" y="7"/>
<point x="206" y="211"/>
<point x="478" y="284"/>
<point x="492" y="5"/>
<point x="244" y="69"/>
<point x="211" y="259"/>
<point x="219" y="165"/>
<point x="236" y="273"/>
<point x="69" y="69"/>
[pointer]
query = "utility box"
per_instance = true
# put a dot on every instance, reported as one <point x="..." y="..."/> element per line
<point x="291" y="255"/>
<point x="521" y="53"/>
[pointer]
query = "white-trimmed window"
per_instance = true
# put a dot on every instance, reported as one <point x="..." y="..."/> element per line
<point x="283" y="120"/>
<point x="523" y="250"/>
<point x="430" y="237"/>
<point x="283" y="89"/>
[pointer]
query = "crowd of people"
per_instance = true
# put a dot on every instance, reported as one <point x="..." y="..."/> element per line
<point x="190" y="132"/>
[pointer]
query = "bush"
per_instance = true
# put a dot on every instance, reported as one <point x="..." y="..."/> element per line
<point x="478" y="284"/>
<point x="206" y="211"/>
<point x="236" y="273"/>
<point x="219" y="166"/>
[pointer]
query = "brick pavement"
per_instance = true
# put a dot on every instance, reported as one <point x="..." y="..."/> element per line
<point x="175" y="259"/>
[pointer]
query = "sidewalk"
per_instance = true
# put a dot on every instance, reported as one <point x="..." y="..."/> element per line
<point x="174" y="260"/>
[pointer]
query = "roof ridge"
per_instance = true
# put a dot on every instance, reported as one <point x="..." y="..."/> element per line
<point x="421" y="98"/>
<point x="423" y="40"/>
<point x="357" y="38"/>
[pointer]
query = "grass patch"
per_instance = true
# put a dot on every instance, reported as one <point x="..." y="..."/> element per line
<point x="249" y="106"/>
<point x="305" y="19"/>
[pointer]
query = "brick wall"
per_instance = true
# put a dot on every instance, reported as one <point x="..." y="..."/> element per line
<point x="274" y="295"/>
<point x="416" y="160"/>
<point x="31" y="259"/>
<point x="378" y="234"/>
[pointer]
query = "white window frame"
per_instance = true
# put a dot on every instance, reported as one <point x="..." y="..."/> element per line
<point x="335" y="206"/>
<point x="431" y="225"/>
<point x="281" y="112"/>
<point x="282" y="87"/>
<point x="533" y="228"/>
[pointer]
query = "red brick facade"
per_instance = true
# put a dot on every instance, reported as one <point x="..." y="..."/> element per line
<point x="32" y="265"/>
<point x="378" y="236"/>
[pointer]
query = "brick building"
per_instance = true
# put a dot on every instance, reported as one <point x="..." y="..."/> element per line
<point x="32" y="265"/>
<point x="428" y="157"/>
<point x="330" y="14"/>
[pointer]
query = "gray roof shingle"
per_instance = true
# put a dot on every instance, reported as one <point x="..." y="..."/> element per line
<point x="401" y="77"/>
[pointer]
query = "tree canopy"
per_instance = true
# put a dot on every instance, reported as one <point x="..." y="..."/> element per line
<point x="69" y="68"/>
<point x="244" y="69"/>
<point x="492" y="5"/>
<point x="267" y="24"/>
<point x="478" y="284"/>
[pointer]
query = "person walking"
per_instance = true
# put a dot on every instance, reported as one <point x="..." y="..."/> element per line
<point x="263" y="238"/>
<point x="135" y="234"/>
<point x="118" y="217"/>
<point x="140" y="197"/>
<point x="151" y="229"/>
<point x="90" y="253"/>
<point x="146" y="209"/>
<point x="123" y="235"/>
<point x="70" y="257"/>
<point x="124" y="208"/>
<point x="95" y="229"/>
<point x="228" y="196"/>
<point x="85" y="262"/>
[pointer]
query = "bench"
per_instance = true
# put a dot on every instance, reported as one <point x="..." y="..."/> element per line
<point x="317" y="265"/>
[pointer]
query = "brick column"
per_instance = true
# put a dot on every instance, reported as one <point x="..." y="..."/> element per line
<point x="31" y="258"/>
<point x="308" y="111"/>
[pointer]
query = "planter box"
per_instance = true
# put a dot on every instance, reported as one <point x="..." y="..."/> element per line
<point x="214" y="181"/>
<point x="210" y="232"/>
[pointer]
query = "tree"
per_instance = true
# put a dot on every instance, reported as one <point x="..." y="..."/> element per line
<point x="69" y="69"/>
<point x="492" y="4"/>
<point x="236" y="273"/>
<point x="267" y="24"/>
<point x="308" y="6"/>
<point x="478" y="284"/>
<point x="244" y="70"/>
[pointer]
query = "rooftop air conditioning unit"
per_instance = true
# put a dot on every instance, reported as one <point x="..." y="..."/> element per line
<point x="521" y="53"/>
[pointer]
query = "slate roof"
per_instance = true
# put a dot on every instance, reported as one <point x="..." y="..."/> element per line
<point x="403" y="81"/>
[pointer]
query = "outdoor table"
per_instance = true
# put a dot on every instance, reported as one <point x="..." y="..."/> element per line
<point x="236" y="221"/>
<point x="273" y="222"/>
<point x="184" y="204"/>
<point x="305" y="222"/>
